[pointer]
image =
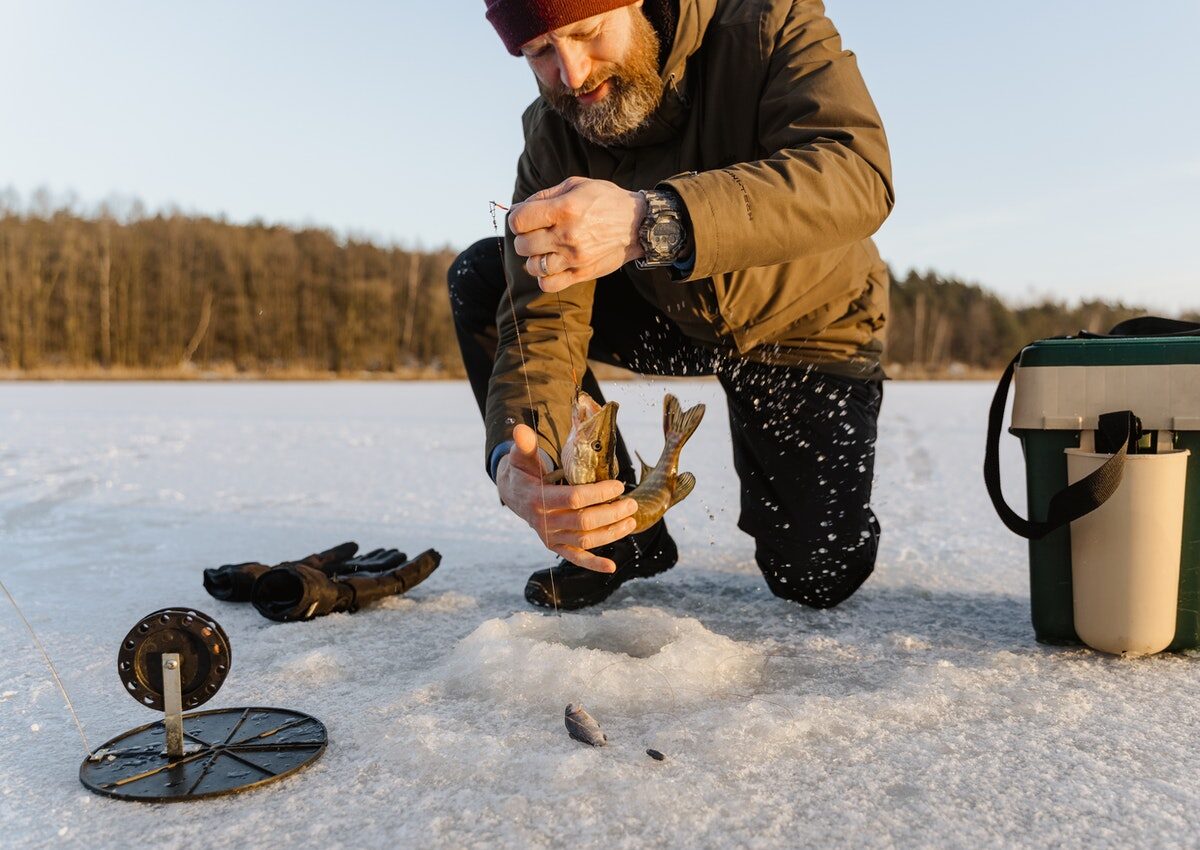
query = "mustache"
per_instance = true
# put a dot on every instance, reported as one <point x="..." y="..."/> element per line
<point x="589" y="85"/>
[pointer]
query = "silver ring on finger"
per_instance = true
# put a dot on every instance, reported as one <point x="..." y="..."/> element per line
<point x="545" y="268"/>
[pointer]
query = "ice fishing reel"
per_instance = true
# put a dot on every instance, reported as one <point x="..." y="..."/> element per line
<point x="201" y="666"/>
<point x="178" y="658"/>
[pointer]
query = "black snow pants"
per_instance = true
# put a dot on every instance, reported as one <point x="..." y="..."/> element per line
<point x="803" y="440"/>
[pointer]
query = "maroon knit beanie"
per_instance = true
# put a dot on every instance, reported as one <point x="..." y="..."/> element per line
<point x="518" y="21"/>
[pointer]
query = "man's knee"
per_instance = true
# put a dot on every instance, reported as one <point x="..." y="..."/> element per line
<point x="475" y="282"/>
<point x="818" y="573"/>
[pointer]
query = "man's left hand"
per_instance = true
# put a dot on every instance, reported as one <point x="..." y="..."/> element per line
<point x="579" y="230"/>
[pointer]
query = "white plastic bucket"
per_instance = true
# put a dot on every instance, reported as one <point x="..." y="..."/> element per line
<point x="1125" y="554"/>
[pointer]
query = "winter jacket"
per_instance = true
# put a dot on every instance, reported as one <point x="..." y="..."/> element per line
<point x="767" y="132"/>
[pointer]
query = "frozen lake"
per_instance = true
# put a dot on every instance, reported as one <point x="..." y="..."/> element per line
<point x="921" y="712"/>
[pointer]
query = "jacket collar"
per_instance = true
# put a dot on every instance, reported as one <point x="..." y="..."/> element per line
<point x="694" y="17"/>
<point x="668" y="120"/>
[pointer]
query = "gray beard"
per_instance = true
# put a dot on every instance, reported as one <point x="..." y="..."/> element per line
<point x="614" y="120"/>
<point x="635" y="91"/>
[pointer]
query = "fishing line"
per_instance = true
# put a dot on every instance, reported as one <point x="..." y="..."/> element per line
<point x="50" y="664"/>
<point x="557" y="297"/>
<point x="525" y="374"/>
<point x="588" y="685"/>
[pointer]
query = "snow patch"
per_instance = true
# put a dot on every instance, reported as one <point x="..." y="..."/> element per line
<point x="448" y="602"/>
<point x="318" y="667"/>
<point x="629" y="659"/>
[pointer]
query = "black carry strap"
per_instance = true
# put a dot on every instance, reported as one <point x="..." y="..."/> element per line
<point x="1147" y="326"/>
<point x="1116" y="429"/>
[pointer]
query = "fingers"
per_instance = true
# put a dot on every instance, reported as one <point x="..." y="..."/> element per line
<point x="561" y="281"/>
<point x="585" y="559"/>
<point x="556" y="190"/>
<point x="543" y="208"/>
<point x="593" y="518"/>
<point x="537" y="242"/>
<point x="337" y="554"/>
<point x="533" y="214"/>
<point x="578" y="496"/>
<point x="558" y="281"/>
<point x="592" y="539"/>
<point x="545" y="265"/>
<point x="524" y="454"/>
<point x="538" y="265"/>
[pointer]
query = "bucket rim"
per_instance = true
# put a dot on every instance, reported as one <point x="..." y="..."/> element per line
<point x="1128" y="457"/>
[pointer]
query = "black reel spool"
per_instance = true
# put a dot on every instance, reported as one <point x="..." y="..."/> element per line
<point x="178" y="658"/>
<point x="203" y="652"/>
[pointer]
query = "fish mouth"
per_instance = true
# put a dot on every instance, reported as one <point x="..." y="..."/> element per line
<point x="596" y="421"/>
<point x="606" y="422"/>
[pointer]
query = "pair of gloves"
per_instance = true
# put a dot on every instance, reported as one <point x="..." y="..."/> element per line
<point x="323" y="583"/>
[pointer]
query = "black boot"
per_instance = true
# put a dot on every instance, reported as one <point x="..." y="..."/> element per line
<point x="636" y="556"/>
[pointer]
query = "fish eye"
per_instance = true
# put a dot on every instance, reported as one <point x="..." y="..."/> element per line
<point x="596" y="446"/>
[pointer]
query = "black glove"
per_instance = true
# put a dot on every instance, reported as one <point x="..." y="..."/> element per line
<point x="233" y="582"/>
<point x="375" y="561"/>
<point x="300" y="592"/>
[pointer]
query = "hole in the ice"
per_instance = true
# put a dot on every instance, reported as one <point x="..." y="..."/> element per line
<point x="635" y="643"/>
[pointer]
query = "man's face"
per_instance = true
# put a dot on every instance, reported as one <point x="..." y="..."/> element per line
<point x="601" y="73"/>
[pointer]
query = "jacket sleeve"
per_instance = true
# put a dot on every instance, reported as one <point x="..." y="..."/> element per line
<point x="827" y="181"/>
<point x="542" y="335"/>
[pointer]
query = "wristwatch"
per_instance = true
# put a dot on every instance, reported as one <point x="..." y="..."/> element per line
<point x="663" y="233"/>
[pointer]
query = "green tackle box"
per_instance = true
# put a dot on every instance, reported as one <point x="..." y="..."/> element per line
<point x="1062" y="386"/>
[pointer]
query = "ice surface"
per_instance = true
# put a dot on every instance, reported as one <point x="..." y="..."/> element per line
<point x="919" y="713"/>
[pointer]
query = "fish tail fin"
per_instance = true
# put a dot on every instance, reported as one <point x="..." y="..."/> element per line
<point x="685" y="482"/>
<point x="679" y="423"/>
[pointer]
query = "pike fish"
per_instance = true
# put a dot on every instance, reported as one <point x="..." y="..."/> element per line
<point x="663" y="486"/>
<point x="589" y="455"/>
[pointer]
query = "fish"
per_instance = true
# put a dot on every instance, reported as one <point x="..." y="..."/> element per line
<point x="589" y="453"/>
<point x="662" y="486"/>
<point x="583" y="727"/>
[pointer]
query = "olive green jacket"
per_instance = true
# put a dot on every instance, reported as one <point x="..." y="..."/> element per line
<point x="767" y="132"/>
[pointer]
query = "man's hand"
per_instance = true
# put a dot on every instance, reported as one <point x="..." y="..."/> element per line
<point x="579" y="230"/>
<point x="573" y="518"/>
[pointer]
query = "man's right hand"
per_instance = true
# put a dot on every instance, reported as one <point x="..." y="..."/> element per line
<point x="569" y="519"/>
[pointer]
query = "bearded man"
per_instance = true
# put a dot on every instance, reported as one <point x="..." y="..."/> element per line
<point x="696" y="196"/>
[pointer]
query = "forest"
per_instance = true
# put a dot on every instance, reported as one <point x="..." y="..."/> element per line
<point x="173" y="295"/>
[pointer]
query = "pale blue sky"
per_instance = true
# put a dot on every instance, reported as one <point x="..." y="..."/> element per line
<point x="1047" y="147"/>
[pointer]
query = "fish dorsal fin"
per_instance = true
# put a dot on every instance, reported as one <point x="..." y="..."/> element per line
<point x="646" y="468"/>
<point x="685" y="482"/>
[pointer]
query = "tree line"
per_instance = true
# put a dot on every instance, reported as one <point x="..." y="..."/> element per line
<point x="168" y="293"/>
<point x="937" y="324"/>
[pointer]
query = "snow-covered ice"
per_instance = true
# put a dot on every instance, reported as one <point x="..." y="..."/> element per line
<point x="919" y="713"/>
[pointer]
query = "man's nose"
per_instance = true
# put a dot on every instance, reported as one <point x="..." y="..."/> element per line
<point x="574" y="65"/>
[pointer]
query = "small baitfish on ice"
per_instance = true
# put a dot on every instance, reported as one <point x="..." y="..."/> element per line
<point x="583" y="727"/>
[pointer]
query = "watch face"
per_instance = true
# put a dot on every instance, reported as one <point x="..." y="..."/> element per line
<point x="666" y="235"/>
